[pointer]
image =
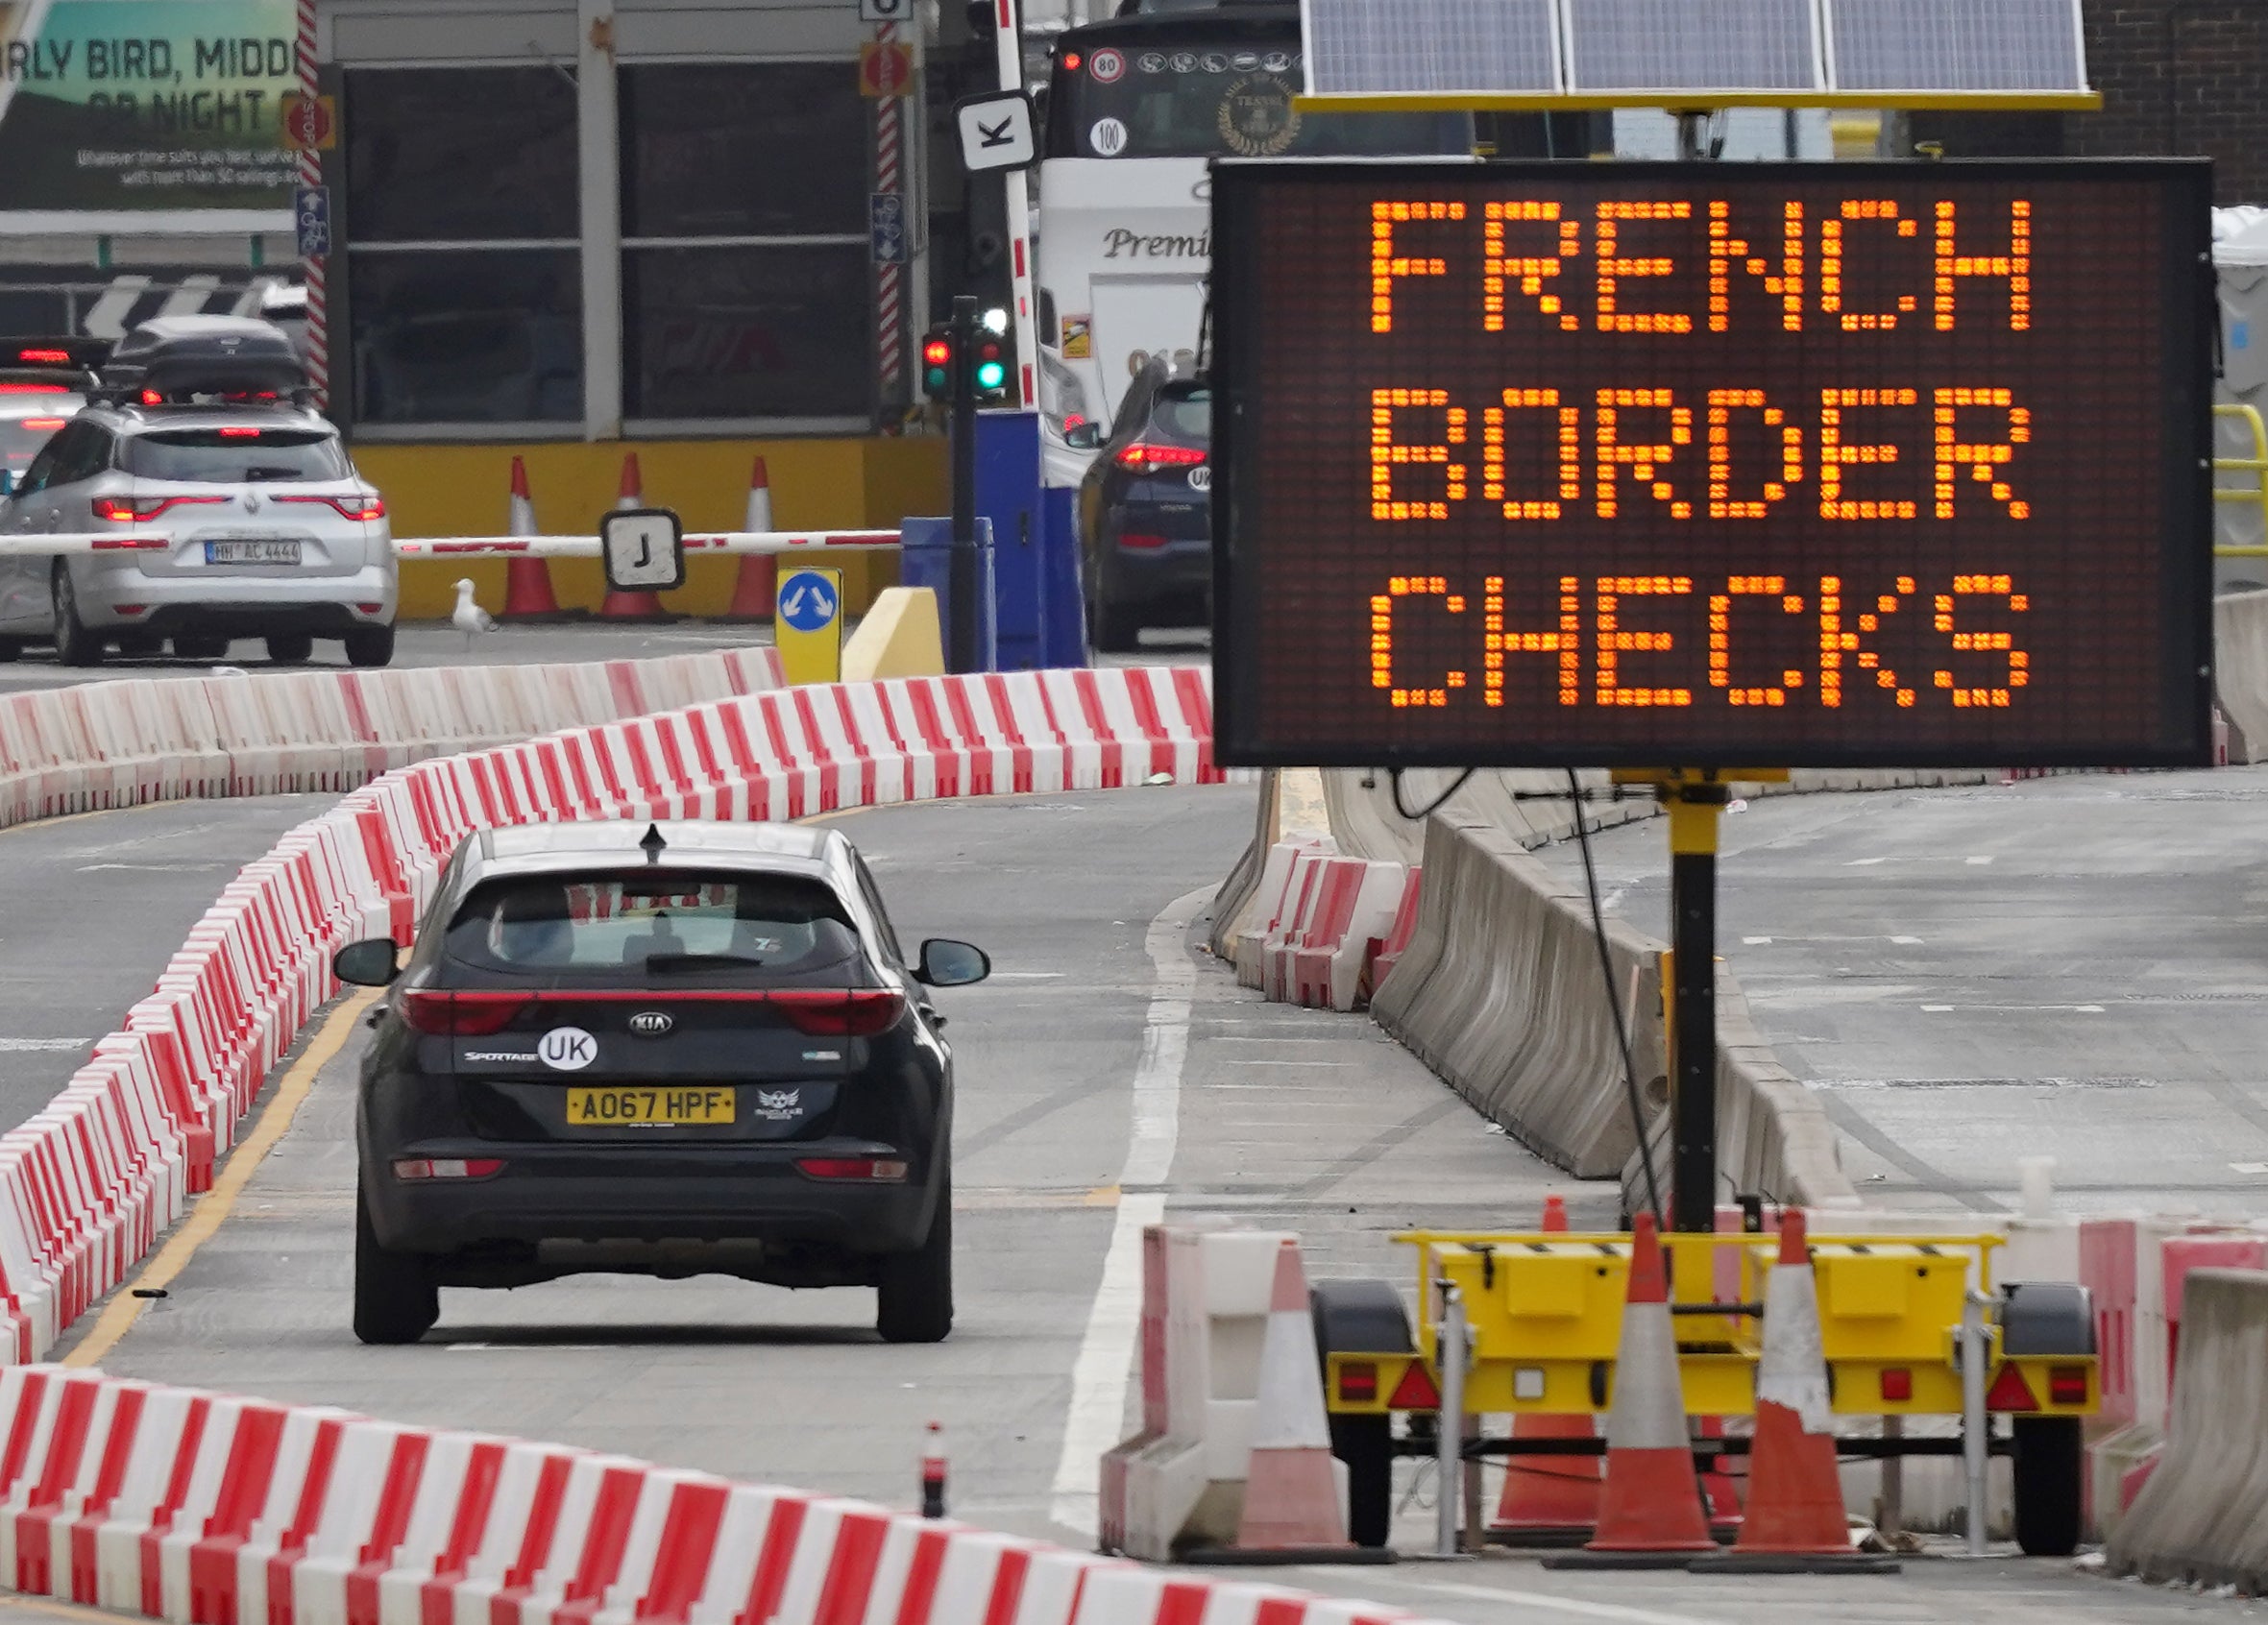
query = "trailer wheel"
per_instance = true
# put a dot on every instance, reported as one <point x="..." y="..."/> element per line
<point x="1362" y="1317"/>
<point x="1366" y="1445"/>
<point x="2050" y="1469"/>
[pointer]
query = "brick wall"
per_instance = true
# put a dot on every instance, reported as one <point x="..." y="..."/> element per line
<point x="2179" y="76"/>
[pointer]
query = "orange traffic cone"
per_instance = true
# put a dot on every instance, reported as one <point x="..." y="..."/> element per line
<point x="1549" y="1500"/>
<point x="1795" y="1521"/>
<point x="1291" y="1495"/>
<point x="528" y="581"/>
<point x="757" y="585"/>
<point x="631" y="606"/>
<point x="1649" y="1514"/>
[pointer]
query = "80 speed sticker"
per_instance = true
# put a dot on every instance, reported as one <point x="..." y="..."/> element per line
<point x="1107" y="65"/>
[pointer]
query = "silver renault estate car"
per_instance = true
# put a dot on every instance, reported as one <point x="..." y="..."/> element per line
<point x="236" y="520"/>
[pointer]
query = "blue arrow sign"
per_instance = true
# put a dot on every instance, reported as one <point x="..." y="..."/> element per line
<point x="807" y="601"/>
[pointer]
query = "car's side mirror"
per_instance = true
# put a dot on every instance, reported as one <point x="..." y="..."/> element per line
<point x="947" y="963"/>
<point x="368" y="963"/>
<point x="1083" y="437"/>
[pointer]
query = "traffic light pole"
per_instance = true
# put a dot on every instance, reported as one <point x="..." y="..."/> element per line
<point x="960" y="637"/>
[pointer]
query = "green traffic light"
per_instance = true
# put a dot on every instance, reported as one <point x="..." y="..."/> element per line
<point x="990" y="374"/>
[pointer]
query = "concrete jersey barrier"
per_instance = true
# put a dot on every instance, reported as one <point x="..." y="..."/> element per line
<point x="2203" y="1515"/>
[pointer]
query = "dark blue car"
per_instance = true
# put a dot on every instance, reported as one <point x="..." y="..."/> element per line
<point x="1145" y="513"/>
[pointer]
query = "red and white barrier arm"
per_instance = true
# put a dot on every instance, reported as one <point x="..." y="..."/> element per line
<point x="588" y="546"/>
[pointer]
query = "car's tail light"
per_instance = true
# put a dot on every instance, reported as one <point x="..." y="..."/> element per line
<point x="358" y="506"/>
<point x="1358" y="1381"/>
<point x="44" y="357"/>
<point x="232" y="432"/>
<point x="1145" y="455"/>
<point x="133" y="510"/>
<point x="33" y="389"/>
<point x="447" y="1167"/>
<point x="151" y="397"/>
<point x="2066" y="1385"/>
<point x="833" y="1012"/>
<point x="1144" y="540"/>
<point x="50" y="425"/>
<point x="462" y="1015"/>
<point x="874" y="1169"/>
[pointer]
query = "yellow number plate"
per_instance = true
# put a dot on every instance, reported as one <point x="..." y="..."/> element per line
<point x="648" y="1108"/>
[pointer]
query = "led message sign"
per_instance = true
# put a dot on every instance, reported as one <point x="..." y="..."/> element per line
<point x="1699" y="465"/>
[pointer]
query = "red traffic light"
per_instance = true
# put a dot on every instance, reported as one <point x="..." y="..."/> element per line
<point x="937" y="352"/>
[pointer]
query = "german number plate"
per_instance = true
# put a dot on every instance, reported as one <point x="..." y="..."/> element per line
<point x="648" y="1108"/>
<point x="263" y="550"/>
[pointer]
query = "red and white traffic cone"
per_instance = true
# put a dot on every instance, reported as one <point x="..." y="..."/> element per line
<point x="756" y="587"/>
<point x="933" y="1473"/>
<point x="528" y="581"/>
<point x="1794" y="1522"/>
<point x="1649" y="1514"/>
<point x="1549" y="1500"/>
<point x="631" y="606"/>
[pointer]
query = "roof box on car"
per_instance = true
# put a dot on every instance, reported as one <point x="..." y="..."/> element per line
<point x="183" y="358"/>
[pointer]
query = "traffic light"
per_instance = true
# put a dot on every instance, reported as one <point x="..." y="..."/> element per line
<point x="989" y="367"/>
<point x="936" y="362"/>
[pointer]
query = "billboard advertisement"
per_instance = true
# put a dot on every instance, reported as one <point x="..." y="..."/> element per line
<point x="126" y="110"/>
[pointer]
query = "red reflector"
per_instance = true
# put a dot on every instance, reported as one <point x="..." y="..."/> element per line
<point x="1897" y="1385"/>
<point x="463" y="1015"/>
<point x="370" y="609"/>
<point x="1358" y="1380"/>
<point x="48" y="424"/>
<point x="1143" y="456"/>
<point x="1415" y="1391"/>
<point x="1140" y="539"/>
<point x="447" y="1168"/>
<point x="852" y="1167"/>
<point x="33" y="389"/>
<point x="830" y="1012"/>
<point x="2066" y="1385"/>
<point x="2009" y="1392"/>
<point x="132" y="609"/>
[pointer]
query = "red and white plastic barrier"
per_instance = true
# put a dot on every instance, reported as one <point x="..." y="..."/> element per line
<point x="208" y="1509"/>
<point x="1322" y="921"/>
<point x="87" y="1185"/>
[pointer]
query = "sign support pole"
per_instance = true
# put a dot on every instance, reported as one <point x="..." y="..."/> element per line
<point x="960" y="637"/>
<point x="1695" y="806"/>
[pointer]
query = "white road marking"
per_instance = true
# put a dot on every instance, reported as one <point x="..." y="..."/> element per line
<point x="1977" y="860"/>
<point x="21" y="1046"/>
<point x="2250" y="1167"/>
<point x="1105" y="1364"/>
<point x="1762" y="941"/>
<point x="1580" y="1606"/>
<point x="1029" y="976"/>
<point x="151" y="868"/>
<point x="1295" y="1063"/>
<point x="2075" y="1009"/>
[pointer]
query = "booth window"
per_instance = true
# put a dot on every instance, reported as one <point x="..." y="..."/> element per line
<point x="464" y="282"/>
<point x="746" y="287"/>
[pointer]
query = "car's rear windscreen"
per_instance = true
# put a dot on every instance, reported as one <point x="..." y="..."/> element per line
<point x="238" y="457"/>
<point x="674" y="931"/>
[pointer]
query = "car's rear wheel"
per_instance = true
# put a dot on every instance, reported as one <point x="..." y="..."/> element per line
<point x="395" y="1298"/>
<point x="916" y="1297"/>
<point x="74" y="645"/>
<point x="1114" y="628"/>
<point x="370" y="645"/>
<point x="201" y="646"/>
<point x="290" y="648"/>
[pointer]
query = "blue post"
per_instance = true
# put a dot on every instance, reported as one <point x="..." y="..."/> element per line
<point x="927" y="546"/>
<point x="1008" y="494"/>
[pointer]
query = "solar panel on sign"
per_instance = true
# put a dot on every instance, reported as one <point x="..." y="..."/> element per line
<point x="1962" y="45"/>
<point x="1691" y="45"/>
<point x="1385" y="47"/>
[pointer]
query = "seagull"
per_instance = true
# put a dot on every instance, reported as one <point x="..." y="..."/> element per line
<point x="468" y="617"/>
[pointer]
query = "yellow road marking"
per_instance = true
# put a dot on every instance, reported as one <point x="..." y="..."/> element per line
<point x="212" y="1210"/>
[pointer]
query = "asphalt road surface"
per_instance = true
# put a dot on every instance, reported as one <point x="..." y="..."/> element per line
<point x="1108" y="1074"/>
<point x="2067" y="967"/>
